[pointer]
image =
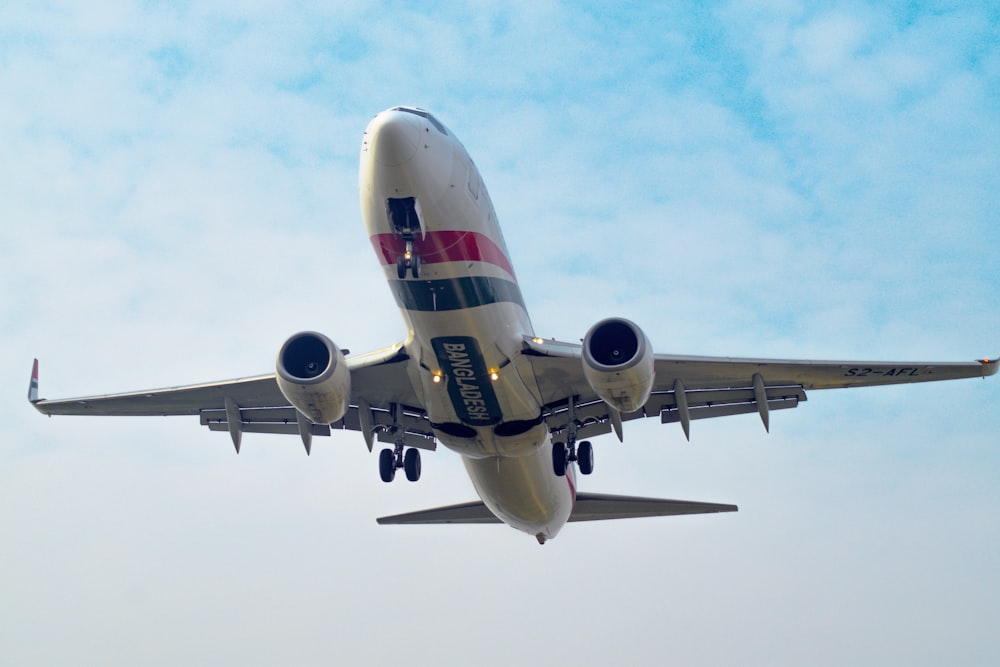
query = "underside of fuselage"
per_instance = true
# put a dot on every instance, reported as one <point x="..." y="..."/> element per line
<point x="433" y="228"/>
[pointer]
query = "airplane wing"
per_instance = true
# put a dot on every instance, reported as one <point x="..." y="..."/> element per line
<point x="687" y="388"/>
<point x="381" y="397"/>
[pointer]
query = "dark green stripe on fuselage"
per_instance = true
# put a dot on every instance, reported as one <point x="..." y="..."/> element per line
<point x="469" y="385"/>
<point x="455" y="293"/>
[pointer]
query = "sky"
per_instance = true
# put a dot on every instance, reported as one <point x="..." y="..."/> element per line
<point x="178" y="195"/>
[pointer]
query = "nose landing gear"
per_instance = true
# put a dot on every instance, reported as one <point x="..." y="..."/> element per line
<point x="408" y="262"/>
<point x="405" y="221"/>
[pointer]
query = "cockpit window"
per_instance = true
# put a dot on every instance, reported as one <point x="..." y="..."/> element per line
<point x="423" y="114"/>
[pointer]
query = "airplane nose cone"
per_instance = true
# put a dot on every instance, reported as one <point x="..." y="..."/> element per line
<point x="393" y="138"/>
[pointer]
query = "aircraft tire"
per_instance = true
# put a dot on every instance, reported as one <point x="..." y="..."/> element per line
<point x="401" y="267"/>
<point x="411" y="464"/>
<point x="585" y="457"/>
<point x="415" y="266"/>
<point x="387" y="465"/>
<point x="559" y="459"/>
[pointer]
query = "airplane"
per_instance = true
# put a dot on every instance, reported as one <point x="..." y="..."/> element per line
<point x="472" y="373"/>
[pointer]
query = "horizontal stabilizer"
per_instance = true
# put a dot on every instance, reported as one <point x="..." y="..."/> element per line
<point x="475" y="512"/>
<point x="599" y="506"/>
<point x="589" y="507"/>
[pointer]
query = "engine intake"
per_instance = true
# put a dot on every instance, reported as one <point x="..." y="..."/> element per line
<point x="312" y="374"/>
<point x="618" y="363"/>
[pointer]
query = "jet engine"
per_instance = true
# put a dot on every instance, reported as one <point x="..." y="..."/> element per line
<point x="313" y="375"/>
<point x="618" y="363"/>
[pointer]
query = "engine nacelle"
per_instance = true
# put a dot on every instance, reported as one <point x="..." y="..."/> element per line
<point x="313" y="375"/>
<point x="618" y="363"/>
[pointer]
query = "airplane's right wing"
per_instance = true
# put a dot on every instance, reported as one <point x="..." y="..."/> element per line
<point x="688" y="388"/>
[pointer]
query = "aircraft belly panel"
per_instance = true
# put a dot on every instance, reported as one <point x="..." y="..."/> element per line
<point x="523" y="493"/>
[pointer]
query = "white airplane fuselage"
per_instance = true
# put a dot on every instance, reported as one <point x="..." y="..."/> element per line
<point x="465" y="315"/>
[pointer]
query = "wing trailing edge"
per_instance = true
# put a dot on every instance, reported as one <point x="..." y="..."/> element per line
<point x="589" y="507"/>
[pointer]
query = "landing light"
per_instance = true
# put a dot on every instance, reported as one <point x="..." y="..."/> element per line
<point x="437" y="377"/>
<point x="494" y="375"/>
<point x="538" y="340"/>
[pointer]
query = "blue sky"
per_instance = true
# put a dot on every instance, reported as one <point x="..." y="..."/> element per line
<point x="179" y="194"/>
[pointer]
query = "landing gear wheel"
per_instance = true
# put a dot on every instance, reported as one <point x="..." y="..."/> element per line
<point x="559" y="459"/>
<point x="411" y="464"/>
<point x="401" y="267"/>
<point x="387" y="465"/>
<point x="415" y="266"/>
<point x="585" y="457"/>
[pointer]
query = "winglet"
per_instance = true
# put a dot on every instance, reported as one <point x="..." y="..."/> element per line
<point x="989" y="365"/>
<point x="33" y="387"/>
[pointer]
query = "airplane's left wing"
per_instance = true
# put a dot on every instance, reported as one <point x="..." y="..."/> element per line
<point x="688" y="388"/>
<point x="383" y="404"/>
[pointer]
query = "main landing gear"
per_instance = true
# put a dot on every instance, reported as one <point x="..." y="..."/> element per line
<point x="564" y="453"/>
<point x="391" y="460"/>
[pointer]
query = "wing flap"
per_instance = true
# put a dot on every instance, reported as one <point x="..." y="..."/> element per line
<point x="671" y="415"/>
<point x="273" y="427"/>
<point x="416" y="429"/>
<point x="697" y="398"/>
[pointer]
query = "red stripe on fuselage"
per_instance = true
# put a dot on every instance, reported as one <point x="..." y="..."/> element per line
<point x="572" y="487"/>
<point x="444" y="246"/>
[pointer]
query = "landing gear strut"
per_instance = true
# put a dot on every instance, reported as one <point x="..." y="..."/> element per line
<point x="564" y="453"/>
<point x="391" y="460"/>
<point x="403" y="216"/>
